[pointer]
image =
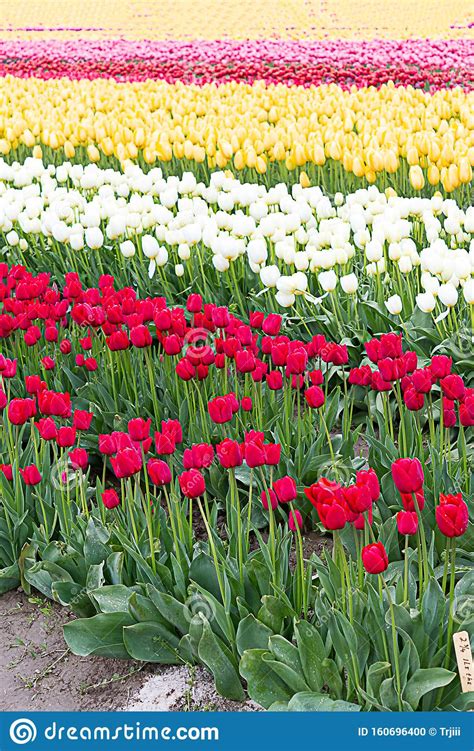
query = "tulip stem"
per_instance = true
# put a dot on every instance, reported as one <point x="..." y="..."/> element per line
<point x="405" y="573"/>
<point x="395" y="646"/>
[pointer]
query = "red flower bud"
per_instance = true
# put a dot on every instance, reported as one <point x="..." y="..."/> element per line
<point x="192" y="483"/>
<point x="407" y="475"/>
<point x="374" y="558"/>
<point x="110" y="498"/>
<point x="407" y="522"/>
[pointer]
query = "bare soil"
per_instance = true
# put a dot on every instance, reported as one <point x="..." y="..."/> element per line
<point x="38" y="672"/>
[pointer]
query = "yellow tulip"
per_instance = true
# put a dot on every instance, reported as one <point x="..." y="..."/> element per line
<point x="416" y="177"/>
<point x="305" y="182"/>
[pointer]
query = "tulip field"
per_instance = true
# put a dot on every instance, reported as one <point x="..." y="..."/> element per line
<point x="237" y="340"/>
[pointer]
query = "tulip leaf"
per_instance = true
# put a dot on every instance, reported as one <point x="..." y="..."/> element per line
<point x="307" y="701"/>
<point x="312" y="653"/>
<point x="112" y="598"/>
<point x="212" y="653"/>
<point x="252" y="634"/>
<point x="100" y="635"/>
<point x="152" y="642"/>
<point x="425" y="680"/>
<point x="263" y="685"/>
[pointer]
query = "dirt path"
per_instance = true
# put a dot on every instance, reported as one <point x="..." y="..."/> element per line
<point x="37" y="671"/>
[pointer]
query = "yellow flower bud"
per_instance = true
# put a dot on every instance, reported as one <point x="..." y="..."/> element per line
<point x="93" y="153"/>
<point x="416" y="177"/>
<point x="305" y="182"/>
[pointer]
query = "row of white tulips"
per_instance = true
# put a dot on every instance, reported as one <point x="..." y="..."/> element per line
<point x="298" y="240"/>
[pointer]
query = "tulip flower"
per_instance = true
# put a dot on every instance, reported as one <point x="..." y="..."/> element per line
<point x="192" y="483"/>
<point x="407" y="475"/>
<point x="375" y="558"/>
<point x="110" y="498"/>
<point x="285" y="489"/>
<point x="30" y="475"/>
<point x="158" y="472"/>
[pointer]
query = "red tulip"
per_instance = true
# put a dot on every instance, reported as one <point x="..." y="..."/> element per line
<point x="452" y="515"/>
<point x="192" y="483"/>
<point x="272" y="324"/>
<point x="285" y="489"/>
<point x="374" y="558"/>
<point x="82" y="419"/>
<point x="139" y="428"/>
<point x="66" y="437"/>
<point x="21" y="410"/>
<point x="314" y="397"/>
<point x="358" y="498"/>
<point x="453" y="387"/>
<point x="295" y="520"/>
<point x="194" y="303"/>
<point x="220" y="410"/>
<point x="79" y="459"/>
<point x="407" y="522"/>
<point x="126" y="463"/>
<point x="158" y="472"/>
<point x="140" y="337"/>
<point x="165" y="444"/>
<point x="229" y="453"/>
<point x="172" y="428"/>
<point x="274" y="380"/>
<point x="110" y="498"/>
<point x="31" y="475"/>
<point x="7" y="470"/>
<point x="407" y="475"/>
<point x="47" y="428"/>
<point x="368" y="477"/>
<point x="412" y="500"/>
<point x="267" y="495"/>
<point x="440" y="366"/>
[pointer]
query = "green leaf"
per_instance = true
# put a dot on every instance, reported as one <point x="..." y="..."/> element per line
<point x="425" y="680"/>
<point x="100" y="635"/>
<point x="151" y="642"/>
<point x="212" y="654"/>
<point x="292" y="678"/>
<point x="252" y="634"/>
<point x="112" y="598"/>
<point x="307" y="701"/>
<point x="263" y="685"/>
<point x="172" y="610"/>
<point x="312" y="653"/>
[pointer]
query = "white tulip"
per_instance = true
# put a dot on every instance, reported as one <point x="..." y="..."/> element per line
<point x="220" y="263"/>
<point x="349" y="283"/>
<point x="150" y="246"/>
<point x="94" y="238"/>
<point x="426" y="302"/>
<point x="285" y="299"/>
<point x="161" y="257"/>
<point x="127" y="249"/>
<point x="328" y="280"/>
<point x="394" y="305"/>
<point x="468" y="291"/>
<point x="76" y="241"/>
<point x="405" y="265"/>
<point x="448" y="295"/>
<point x="179" y="269"/>
<point x="12" y="238"/>
<point x="269" y="275"/>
